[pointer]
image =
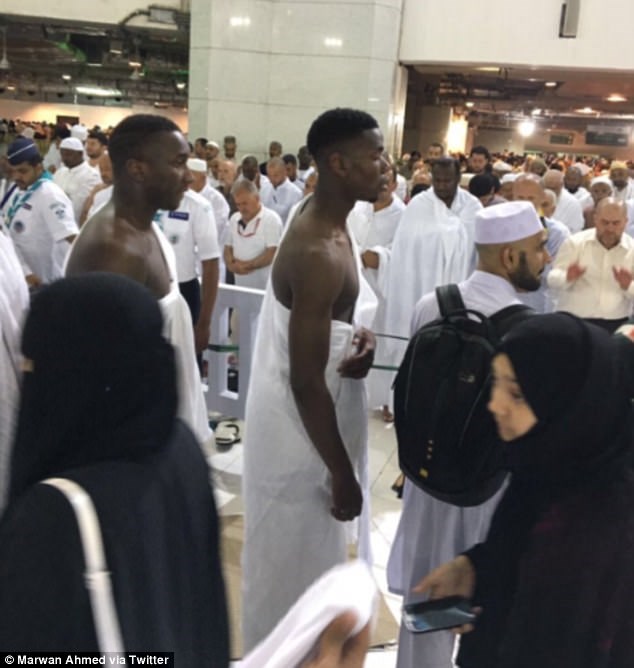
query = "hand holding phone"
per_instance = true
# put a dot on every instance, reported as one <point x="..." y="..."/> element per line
<point x="438" y="614"/>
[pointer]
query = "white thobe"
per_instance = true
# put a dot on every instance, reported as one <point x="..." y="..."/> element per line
<point x="432" y="246"/>
<point x="625" y="193"/>
<point x="432" y="532"/>
<point x="280" y="199"/>
<point x="375" y="231"/>
<point x="584" y="197"/>
<point x="77" y="183"/>
<point x="569" y="211"/>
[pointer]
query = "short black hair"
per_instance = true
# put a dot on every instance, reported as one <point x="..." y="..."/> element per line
<point x="201" y="140"/>
<point x="481" y="150"/>
<point x="99" y="136"/>
<point x="446" y="163"/>
<point x="437" y="144"/>
<point x="61" y="131"/>
<point x="419" y="188"/>
<point x="289" y="158"/>
<point x="481" y="184"/>
<point x="133" y="134"/>
<point x="337" y="125"/>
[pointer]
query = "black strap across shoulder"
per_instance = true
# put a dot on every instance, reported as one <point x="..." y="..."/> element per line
<point x="449" y="299"/>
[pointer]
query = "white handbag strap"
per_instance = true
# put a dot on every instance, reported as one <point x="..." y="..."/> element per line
<point x="96" y="575"/>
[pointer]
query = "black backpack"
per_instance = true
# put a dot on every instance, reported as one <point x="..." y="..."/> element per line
<point x="447" y="440"/>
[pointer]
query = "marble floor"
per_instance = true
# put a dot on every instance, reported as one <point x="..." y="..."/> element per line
<point x="385" y="512"/>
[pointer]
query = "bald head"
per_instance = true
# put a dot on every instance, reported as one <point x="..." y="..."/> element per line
<point x="554" y="180"/>
<point x="528" y="188"/>
<point x="610" y="220"/>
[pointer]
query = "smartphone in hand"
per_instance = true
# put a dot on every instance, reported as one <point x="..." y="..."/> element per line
<point x="441" y="613"/>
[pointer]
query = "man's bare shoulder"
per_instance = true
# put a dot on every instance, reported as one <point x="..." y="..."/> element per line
<point x="104" y="245"/>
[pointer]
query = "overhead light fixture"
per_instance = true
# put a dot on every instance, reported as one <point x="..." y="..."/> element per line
<point x="526" y="128"/>
<point x="333" y="42"/>
<point x="116" y="46"/>
<point x="240" y="21"/>
<point x="616" y="97"/>
<point x="487" y="68"/>
<point x="469" y="104"/>
<point x="181" y="85"/>
<point x="98" y="91"/>
<point x="135" y="63"/>
<point x="10" y="87"/>
<point x="551" y="84"/>
<point x="66" y="77"/>
<point x="4" y="62"/>
<point x="585" y="110"/>
<point x="536" y="112"/>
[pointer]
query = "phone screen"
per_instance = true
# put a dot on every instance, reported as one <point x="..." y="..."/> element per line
<point x="443" y="613"/>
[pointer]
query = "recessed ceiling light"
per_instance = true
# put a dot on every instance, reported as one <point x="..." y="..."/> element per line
<point x="616" y="97"/>
<point x="551" y="84"/>
<point x="487" y="69"/>
<point x="469" y="104"/>
<point x="66" y="77"/>
<point x="585" y="110"/>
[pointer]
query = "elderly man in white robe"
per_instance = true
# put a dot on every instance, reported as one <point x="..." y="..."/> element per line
<point x="568" y="210"/>
<point x="512" y="254"/>
<point x="433" y="246"/>
<point x="373" y="226"/>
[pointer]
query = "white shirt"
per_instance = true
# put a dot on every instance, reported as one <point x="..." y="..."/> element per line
<point x="281" y="198"/>
<point x="191" y="230"/>
<point x="583" y="196"/>
<point x="101" y="197"/>
<point x="39" y="228"/>
<point x="624" y="194"/>
<point x="483" y="292"/>
<point x="401" y="187"/>
<point x="569" y="211"/>
<point x="263" y="231"/>
<point x="221" y="211"/>
<point x="595" y="294"/>
<point x="77" y="183"/>
<point x="53" y="157"/>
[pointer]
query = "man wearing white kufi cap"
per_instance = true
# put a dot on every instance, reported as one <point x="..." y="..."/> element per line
<point x="76" y="177"/>
<point x="511" y="245"/>
<point x="191" y="229"/>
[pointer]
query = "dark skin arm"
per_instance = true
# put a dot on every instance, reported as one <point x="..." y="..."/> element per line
<point x="210" y="275"/>
<point x="309" y="346"/>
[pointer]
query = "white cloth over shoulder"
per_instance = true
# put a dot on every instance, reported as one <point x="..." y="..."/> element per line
<point x="431" y="532"/>
<point x="14" y="302"/>
<point x="433" y="246"/>
<point x="178" y="330"/>
<point x="290" y="536"/>
<point x="345" y="588"/>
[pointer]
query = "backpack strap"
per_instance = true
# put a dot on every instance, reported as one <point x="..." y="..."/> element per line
<point x="506" y="318"/>
<point x="449" y="299"/>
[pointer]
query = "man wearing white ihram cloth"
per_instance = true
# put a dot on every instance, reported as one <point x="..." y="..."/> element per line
<point x="433" y="246"/>
<point x="305" y="454"/>
<point x="512" y="254"/>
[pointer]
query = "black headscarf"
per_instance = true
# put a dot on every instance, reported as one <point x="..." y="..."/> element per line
<point x="576" y="379"/>
<point x="103" y="382"/>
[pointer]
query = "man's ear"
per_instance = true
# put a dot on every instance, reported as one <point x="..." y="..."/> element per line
<point x="136" y="169"/>
<point x="338" y="163"/>
<point x="507" y="257"/>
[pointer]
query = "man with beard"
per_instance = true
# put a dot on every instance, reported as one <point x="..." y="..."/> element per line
<point x="594" y="269"/>
<point x="511" y="246"/>
<point x="573" y="180"/>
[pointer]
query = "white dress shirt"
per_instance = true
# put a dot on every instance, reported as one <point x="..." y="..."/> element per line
<point x="263" y="231"/>
<point x="595" y="294"/>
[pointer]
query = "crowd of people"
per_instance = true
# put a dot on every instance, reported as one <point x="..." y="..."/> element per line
<point x="345" y="242"/>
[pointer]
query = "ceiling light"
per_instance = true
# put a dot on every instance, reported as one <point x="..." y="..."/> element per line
<point x="97" y="91"/>
<point x="526" y="128"/>
<point x="10" y="87"/>
<point x="585" y="110"/>
<point x="66" y="77"/>
<point x="536" y="112"/>
<point x="487" y="69"/>
<point x="469" y="105"/>
<point x="616" y="97"/>
<point x="240" y="21"/>
<point x="551" y="84"/>
<point x="181" y="85"/>
<point x="135" y="63"/>
<point x="333" y="42"/>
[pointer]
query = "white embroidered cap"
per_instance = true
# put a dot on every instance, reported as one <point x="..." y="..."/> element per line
<point x="507" y="222"/>
<point x="72" y="144"/>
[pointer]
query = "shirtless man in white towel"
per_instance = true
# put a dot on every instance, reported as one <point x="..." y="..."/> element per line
<point x="305" y="458"/>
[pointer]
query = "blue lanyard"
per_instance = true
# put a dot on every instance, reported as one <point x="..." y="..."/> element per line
<point x="20" y="201"/>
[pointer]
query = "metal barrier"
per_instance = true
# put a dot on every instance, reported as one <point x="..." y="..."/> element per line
<point x="247" y="303"/>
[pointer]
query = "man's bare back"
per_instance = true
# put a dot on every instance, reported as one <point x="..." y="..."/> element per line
<point x="108" y="243"/>
<point x="319" y="252"/>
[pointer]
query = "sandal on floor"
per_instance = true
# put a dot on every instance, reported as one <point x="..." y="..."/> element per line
<point x="227" y="434"/>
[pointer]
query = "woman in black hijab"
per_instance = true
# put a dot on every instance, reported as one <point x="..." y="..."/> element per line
<point x="555" y="577"/>
<point x="98" y="407"/>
